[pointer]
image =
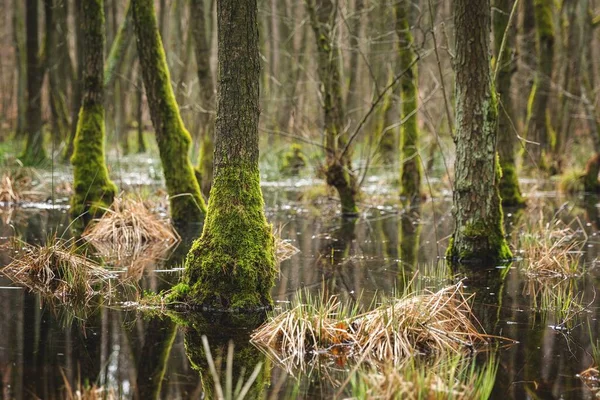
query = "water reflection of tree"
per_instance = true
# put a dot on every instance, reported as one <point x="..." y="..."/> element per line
<point x="220" y="329"/>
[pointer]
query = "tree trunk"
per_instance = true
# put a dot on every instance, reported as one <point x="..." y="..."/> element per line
<point x="21" y="66"/>
<point x="479" y="233"/>
<point x="140" y="112"/>
<point x="34" y="153"/>
<point x="538" y="121"/>
<point x="338" y="163"/>
<point x="118" y="49"/>
<point x="76" y="88"/>
<point x="93" y="190"/>
<point x="509" y="183"/>
<point x="54" y="65"/>
<point x="232" y="266"/>
<point x="411" y="170"/>
<point x="207" y="93"/>
<point x="187" y="205"/>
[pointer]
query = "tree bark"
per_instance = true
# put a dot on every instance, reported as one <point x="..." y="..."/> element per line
<point x="232" y="266"/>
<point x="538" y="121"/>
<point x="34" y="153"/>
<point x="21" y="66"/>
<point x="338" y="162"/>
<point x="479" y="232"/>
<point x="187" y="205"/>
<point x="411" y="170"/>
<point x="207" y="93"/>
<point x="510" y="191"/>
<point x="93" y="190"/>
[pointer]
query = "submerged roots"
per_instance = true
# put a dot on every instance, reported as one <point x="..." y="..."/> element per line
<point x="56" y="270"/>
<point x="416" y="324"/>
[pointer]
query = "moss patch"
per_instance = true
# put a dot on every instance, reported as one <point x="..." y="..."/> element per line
<point x="93" y="190"/>
<point x="294" y="161"/>
<point x="509" y="187"/>
<point x="232" y="265"/>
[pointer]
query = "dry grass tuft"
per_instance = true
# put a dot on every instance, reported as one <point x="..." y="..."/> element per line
<point x="432" y="322"/>
<point x="552" y="249"/>
<point x="283" y="249"/>
<point x="17" y="185"/>
<point x="415" y="324"/>
<point x="57" y="271"/>
<point x="131" y="235"/>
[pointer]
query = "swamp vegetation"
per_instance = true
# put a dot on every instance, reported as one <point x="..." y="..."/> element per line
<point x="359" y="199"/>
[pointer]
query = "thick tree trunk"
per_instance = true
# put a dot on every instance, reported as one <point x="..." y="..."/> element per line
<point x="187" y="205"/>
<point x="232" y="266"/>
<point x="338" y="162"/>
<point x="34" y="153"/>
<point x="509" y="183"/>
<point x="411" y="170"/>
<point x="207" y="93"/>
<point x="479" y="233"/>
<point x="93" y="190"/>
<point x="538" y="121"/>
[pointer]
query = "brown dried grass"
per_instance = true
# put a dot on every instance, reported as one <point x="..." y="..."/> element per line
<point x="415" y="324"/>
<point x="17" y="185"/>
<point x="57" y="270"/>
<point x="130" y="235"/>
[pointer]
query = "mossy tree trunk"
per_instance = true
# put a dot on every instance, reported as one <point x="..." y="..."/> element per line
<point x="34" y="153"/>
<point x="187" y="205"/>
<point x="139" y="90"/>
<point x="77" y="85"/>
<point x="338" y="162"/>
<point x="510" y="192"/>
<point x="93" y="190"/>
<point x="410" y="161"/>
<point x="232" y="266"/>
<point x="207" y="93"/>
<point x="479" y="232"/>
<point x="539" y="128"/>
<point x="118" y="49"/>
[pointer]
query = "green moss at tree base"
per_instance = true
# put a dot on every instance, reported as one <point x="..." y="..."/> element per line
<point x="343" y="181"/>
<point x="93" y="191"/>
<point x="510" y="193"/>
<point x="482" y="245"/>
<point x="34" y="154"/>
<point x="232" y="265"/>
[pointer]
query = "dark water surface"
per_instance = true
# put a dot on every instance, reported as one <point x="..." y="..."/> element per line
<point x="41" y="347"/>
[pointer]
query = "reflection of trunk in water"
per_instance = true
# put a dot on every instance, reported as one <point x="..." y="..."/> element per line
<point x="151" y="362"/>
<point x="220" y="330"/>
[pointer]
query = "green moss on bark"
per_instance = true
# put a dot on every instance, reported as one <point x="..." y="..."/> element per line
<point x="510" y="193"/>
<point x="186" y="202"/>
<point x="93" y="190"/>
<point x="232" y="266"/>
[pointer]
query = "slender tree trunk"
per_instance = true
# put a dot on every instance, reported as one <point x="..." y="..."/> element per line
<point x="202" y="47"/>
<point x="338" y="163"/>
<point x="527" y="56"/>
<point x="479" y="233"/>
<point x="93" y="190"/>
<point x="34" y="153"/>
<point x="355" y="29"/>
<point x="538" y="121"/>
<point x="187" y="205"/>
<point x="118" y="49"/>
<point x="140" y="112"/>
<point x="232" y="266"/>
<point x="21" y="65"/>
<point x="411" y="170"/>
<point x="54" y="66"/>
<point x="77" y="86"/>
<point x="509" y="183"/>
